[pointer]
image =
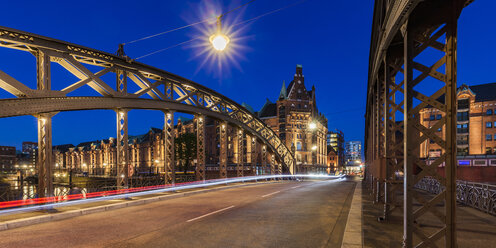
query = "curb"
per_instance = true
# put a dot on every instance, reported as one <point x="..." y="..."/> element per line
<point x="353" y="236"/>
<point x="8" y="225"/>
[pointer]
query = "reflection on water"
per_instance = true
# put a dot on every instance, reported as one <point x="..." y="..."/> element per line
<point x="17" y="191"/>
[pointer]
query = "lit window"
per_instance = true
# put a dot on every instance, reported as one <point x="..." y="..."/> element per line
<point x="438" y="117"/>
<point x="489" y="112"/>
<point x="432" y="117"/>
<point x="489" y="124"/>
<point x="489" y="137"/>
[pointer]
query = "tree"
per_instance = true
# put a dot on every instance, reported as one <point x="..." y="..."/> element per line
<point x="185" y="149"/>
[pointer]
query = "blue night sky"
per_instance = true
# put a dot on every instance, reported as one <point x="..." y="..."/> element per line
<point x="330" y="39"/>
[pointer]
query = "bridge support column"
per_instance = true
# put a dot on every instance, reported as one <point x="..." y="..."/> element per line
<point x="264" y="159"/>
<point x="200" y="147"/>
<point x="415" y="134"/>
<point x="223" y="149"/>
<point x="122" y="149"/>
<point x="44" y="163"/>
<point x="240" y="146"/>
<point x="169" y="160"/>
<point x="272" y="164"/>
<point x="254" y="155"/>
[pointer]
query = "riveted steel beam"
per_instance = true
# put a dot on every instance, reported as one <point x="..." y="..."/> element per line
<point x="240" y="139"/>
<point x="223" y="149"/>
<point x="200" y="147"/>
<point x="169" y="135"/>
<point x="122" y="149"/>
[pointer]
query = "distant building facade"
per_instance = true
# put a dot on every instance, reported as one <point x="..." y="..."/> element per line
<point x="353" y="152"/>
<point x="294" y="117"/>
<point x="476" y="122"/>
<point x="335" y="144"/>
<point x="146" y="152"/>
<point x="7" y="158"/>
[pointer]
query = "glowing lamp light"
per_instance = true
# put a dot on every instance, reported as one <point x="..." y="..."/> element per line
<point x="219" y="41"/>
<point x="314" y="148"/>
<point x="312" y="126"/>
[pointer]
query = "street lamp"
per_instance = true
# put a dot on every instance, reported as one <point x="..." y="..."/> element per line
<point x="312" y="126"/>
<point x="218" y="40"/>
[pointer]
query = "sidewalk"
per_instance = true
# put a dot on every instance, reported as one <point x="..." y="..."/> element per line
<point x="353" y="233"/>
<point x="474" y="228"/>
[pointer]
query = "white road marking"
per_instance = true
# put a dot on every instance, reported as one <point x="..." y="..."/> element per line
<point x="296" y="187"/>
<point x="214" y="212"/>
<point x="271" y="194"/>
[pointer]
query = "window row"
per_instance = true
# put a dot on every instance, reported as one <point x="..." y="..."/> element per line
<point x="490" y="124"/>
<point x="435" y="117"/>
<point x="489" y="137"/>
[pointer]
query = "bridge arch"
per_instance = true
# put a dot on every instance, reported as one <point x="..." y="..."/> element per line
<point x="178" y="94"/>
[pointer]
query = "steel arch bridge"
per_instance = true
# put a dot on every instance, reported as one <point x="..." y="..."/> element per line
<point x="402" y="32"/>
<point x="178" y="94"/>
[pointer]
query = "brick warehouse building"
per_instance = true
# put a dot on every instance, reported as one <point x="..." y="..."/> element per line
<point x="145" y="152"/>
<point x="295" y="118"/>
<point x="476" y="132"/>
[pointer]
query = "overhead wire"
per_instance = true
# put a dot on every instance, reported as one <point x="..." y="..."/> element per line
<point x="189" y="25"/>
<point x="196" y="38"/>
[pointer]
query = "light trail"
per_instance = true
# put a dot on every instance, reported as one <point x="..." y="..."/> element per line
<point x="60" y="201"/>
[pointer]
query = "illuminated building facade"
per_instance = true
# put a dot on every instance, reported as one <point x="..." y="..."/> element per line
<point x="476" y="122"/>
<point x="353" y="152"/>
<point x="297" y="122"/>
<point x="335" y="144"/>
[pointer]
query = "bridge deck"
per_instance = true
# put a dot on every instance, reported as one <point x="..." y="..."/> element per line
<point x="288" y="214"/>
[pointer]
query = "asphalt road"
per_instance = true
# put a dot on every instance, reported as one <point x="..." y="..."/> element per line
<point x="289" y="214"/>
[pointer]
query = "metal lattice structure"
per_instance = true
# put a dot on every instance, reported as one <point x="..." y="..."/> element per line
<point x="157" y="90"/>
<point x="223" y="149"/>
<point x="240" y="144"/>
<point x="200" y="147"/>
<point x="402" y="32"/>
<point x="122" y="148"/>
<point x="169" y="160"/>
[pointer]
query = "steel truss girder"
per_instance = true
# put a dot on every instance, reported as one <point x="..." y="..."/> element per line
<point x="415" y="134"/>
<point x="169" y="160"/>
<point x="264" y="159"/>
<point x="240" y="146"/>
<point x="178" y="90"/>
<point x="273" y="166"/>
<point x="200" y="147"/>
<point x="44" y="162"/>
<point x="122" y="148"/>
<point x="254" y="155"/>
<point x="223" y="149"/>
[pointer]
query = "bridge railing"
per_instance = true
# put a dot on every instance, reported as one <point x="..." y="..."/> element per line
<point x="480" y="196"/>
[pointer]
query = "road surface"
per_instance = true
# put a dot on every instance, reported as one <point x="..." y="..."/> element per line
<point x="288" y="214"/>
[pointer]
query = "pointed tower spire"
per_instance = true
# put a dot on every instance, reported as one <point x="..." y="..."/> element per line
<point x="283" y="94"/>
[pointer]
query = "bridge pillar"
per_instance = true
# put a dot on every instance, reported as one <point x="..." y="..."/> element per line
<point x="241" y="154"/>
<point x="264" y="159"/>
<point x="169" y="159"/>
<point x="122" y="149"/>
<point x="254" y="155"/>
<point x="273" y="164"/>
<point x="200" y="147"/>
<point x="44" y="163"/>
<point x="223" y="149"/>
<point x="415" y="134"/>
